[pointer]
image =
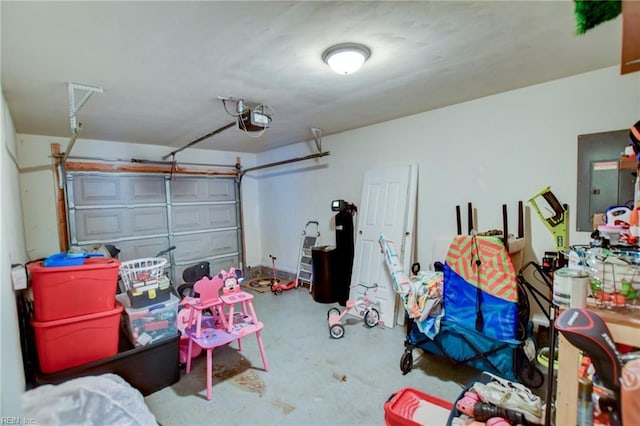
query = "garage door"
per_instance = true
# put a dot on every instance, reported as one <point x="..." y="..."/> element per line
<point x="143" y="214"/>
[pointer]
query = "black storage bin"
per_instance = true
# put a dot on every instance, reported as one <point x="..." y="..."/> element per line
<point x="324" y="261"/>
<point x="146" y="368"/>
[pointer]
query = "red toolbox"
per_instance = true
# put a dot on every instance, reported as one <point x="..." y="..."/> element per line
<point x="411" y="407"/>
<point x="70" y="342"/>
<point x="68" y="291"/>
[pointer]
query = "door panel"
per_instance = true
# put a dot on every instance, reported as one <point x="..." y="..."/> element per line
<point x="102" y="189"/>
<point x="98" y="190"/>
<point x="215" y="266"/>
<point x="98" y="225"/>
<point x="384" y="210"/>
<point x="148" y="220"/>
<point x="223" y="263"/>
<point x="108" y="224"/>
<point x="203" y="245"/>
<point x="202" y="189"/>
<point x="147" y="189"/>
<point x="139" y="249"/>
<point x="196" y="217"/>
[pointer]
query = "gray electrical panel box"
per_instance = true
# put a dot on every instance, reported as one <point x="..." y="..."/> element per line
<point x="601" y="181"/>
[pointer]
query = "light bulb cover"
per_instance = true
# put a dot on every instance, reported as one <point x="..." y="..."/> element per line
<point x="346" y="58"/>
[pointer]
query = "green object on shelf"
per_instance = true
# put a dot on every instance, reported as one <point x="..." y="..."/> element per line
<point x="590" y="13"/>
<point x="628" y="291"/>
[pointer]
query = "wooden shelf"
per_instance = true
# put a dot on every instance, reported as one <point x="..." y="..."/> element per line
<point x="628" y="163"/>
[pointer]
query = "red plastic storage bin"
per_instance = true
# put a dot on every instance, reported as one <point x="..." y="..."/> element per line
<point x="69" y="291"/>
<point x="70" y="342"/>
<point x="411" y="407"/>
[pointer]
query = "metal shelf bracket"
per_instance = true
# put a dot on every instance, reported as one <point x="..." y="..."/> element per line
<point x="75" y="108"/>
<point x="317" y="137"/>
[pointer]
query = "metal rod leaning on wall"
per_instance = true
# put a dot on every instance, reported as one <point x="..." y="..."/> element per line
<point x="72" y="141"/>
<point x="200" y="139"/>
<point x="280" y="163"/>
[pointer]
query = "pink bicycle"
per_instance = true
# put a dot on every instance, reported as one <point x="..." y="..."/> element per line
<point x="368" y="309"/>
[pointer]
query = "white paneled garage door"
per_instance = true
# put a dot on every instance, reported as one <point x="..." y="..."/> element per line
<point x="142" y="214"/>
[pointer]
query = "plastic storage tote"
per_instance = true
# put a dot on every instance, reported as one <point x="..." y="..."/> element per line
<point x="411" y="407"/>
<point x="69" y="291"/>
<point x="70" y="342"/>
<point x="152" y="323"/>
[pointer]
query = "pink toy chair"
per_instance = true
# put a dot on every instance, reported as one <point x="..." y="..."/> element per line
<point x="209" y="332"/>
<point x="209" y="290"/>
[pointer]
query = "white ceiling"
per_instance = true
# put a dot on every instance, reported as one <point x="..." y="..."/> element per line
<point x="162" y="65"/>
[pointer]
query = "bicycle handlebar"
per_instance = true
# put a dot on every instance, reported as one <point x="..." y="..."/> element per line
<point x="165" y="251"/>
<point x="374" y="285"/>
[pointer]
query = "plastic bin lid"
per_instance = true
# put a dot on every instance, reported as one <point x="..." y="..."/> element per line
<point x="123" y="299"/>
<point x="69" y="258"/>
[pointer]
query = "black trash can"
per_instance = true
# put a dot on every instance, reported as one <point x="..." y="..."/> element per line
<point x="324" y="261"/>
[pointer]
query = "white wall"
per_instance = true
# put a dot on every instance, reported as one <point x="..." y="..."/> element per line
<point x="38" y="184"/>
<point x="491" y="151"/>
<point x="13" y="251"/>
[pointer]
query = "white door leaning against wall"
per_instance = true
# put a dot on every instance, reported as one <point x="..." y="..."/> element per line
<point x="387" y="207"/>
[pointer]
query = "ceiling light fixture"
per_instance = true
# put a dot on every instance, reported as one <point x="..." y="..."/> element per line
<point x="346" y="58"/>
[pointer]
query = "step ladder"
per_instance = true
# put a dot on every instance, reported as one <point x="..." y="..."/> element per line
<point x="304" y="274"/>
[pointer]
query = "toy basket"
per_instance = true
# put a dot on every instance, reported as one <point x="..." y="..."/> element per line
<point x="141" y="270"/>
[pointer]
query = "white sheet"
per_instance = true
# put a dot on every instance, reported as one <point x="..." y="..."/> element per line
<point x="94" y="400"/>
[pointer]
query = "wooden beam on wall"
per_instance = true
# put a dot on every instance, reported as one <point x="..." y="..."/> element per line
<point x="630" y="61"/>
<point x="73" y="166"/>
<point x="61" y="207"/>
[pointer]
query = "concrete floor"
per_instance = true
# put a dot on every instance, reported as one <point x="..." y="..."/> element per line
<point x="313" y="379"/>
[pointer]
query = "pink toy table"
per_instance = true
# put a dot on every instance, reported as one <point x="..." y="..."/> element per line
<point x="229" y="324"/>
<point x="209" y="339"/>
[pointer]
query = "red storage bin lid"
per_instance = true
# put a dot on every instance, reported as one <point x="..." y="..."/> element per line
<point x="89" y="263"/>
<point x="82" y="318"/>
<point x="68" y="291"/>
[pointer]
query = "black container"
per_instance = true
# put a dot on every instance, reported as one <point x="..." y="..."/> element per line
<point x="146" y="368"/>
<point x="324" y="263"/>
<point x="142" y="299"/>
